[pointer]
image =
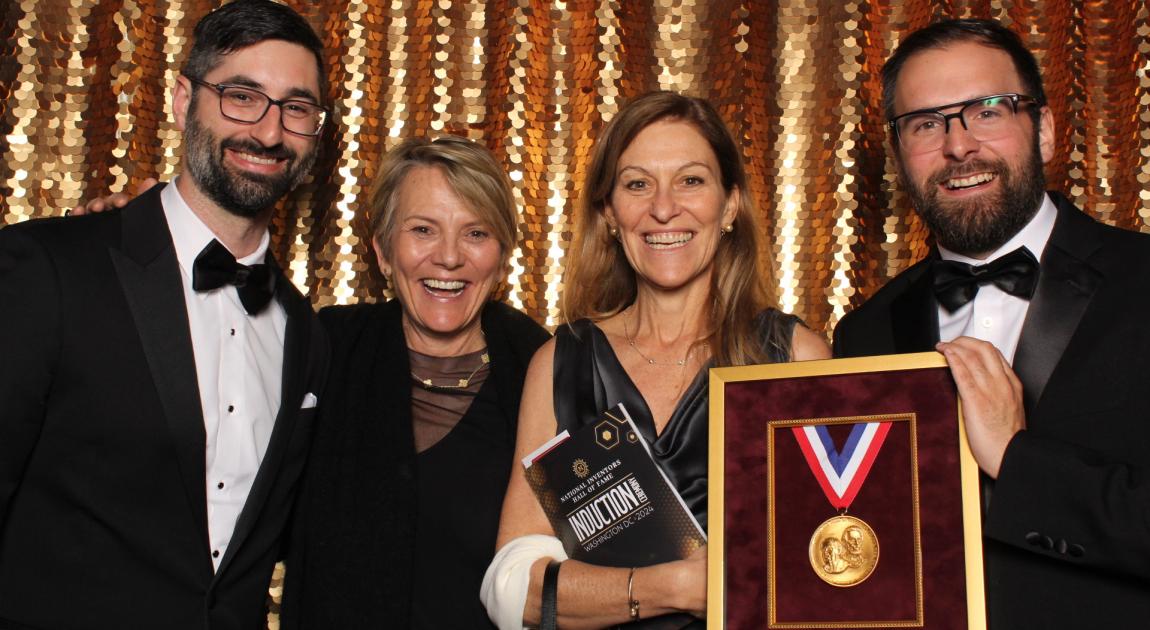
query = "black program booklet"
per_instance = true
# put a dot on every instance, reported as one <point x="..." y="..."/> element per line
<point x="609" y="502"/>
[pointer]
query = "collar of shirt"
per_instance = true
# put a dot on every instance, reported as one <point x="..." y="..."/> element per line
<point x="190" y="235"/>
<point x="1033" y="236"/>
<point x="994" y="315"/>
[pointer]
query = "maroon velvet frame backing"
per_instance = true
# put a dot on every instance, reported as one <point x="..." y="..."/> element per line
<point x="912" y="499"/>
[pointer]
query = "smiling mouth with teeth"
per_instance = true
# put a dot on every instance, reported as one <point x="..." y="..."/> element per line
<point x="453" y="286"/>
<point x="255" y="159"/>
<point x="667" y="240"/>
<point x="958" y="183"/>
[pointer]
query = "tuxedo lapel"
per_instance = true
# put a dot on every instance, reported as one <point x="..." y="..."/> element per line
<point x="1066" y="284"/>
<point x="149" y="275"/>
<point x="297" y="366"/>
<point x="914" y="314"/>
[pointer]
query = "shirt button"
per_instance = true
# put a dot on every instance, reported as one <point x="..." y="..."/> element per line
<point x="220" y="485"/>
<point x="987" y="322"/>
<point x="231" y="408"/>
<point x="233" y="332"/>
<point x="216" y="553"/>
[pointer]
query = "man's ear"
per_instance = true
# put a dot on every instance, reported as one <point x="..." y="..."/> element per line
<point x="1046" y="134"/>
<point x="181" y="101"/>
<point x="892" y="149"/>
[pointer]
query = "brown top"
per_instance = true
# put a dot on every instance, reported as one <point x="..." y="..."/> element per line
<point x="436" y="409"/>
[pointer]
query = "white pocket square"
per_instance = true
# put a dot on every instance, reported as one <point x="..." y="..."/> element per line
<point x="309" y="401"/>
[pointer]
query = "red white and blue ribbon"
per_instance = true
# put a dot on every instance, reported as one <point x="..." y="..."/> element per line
<point x="841" y="473"/>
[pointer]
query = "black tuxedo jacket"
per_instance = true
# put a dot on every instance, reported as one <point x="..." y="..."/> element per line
<point x="103" y="512"/>
<point x="1067" y="528"/>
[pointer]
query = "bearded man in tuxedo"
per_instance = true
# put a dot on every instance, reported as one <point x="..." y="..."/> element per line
<point x="160" y="375"/>
<point x="1040" y="312"/>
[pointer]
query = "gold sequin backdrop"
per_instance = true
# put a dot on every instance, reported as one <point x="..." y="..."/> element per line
<point x="85" y="109"/>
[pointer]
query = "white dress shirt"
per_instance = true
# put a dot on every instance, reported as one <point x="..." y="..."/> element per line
<point x="239" y="361"/>
<point x="994" y="315"/>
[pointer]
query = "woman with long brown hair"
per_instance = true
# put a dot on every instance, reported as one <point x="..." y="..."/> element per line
<point x="662" y="282"/>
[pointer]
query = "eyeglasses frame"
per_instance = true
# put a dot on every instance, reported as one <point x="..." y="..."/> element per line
<point x="220" y="87"/>
<point x="1015" y="100"/>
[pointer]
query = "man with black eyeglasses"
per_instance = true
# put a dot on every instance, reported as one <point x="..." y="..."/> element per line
<point x="1040" y="312"/>
<point x="159" y="374"/>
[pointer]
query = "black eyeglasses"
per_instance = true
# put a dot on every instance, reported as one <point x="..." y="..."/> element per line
<point x="247" y="105"/>
<point x="986" y="118"/>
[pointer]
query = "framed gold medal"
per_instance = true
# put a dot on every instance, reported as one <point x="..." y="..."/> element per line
<point x="842" y="494"/>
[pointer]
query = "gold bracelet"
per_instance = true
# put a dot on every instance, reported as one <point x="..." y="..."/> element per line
<point x="631" y="601"/>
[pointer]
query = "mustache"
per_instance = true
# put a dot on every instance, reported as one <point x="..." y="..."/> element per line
<point x="274" y="152"/>
<point x="967" y="168"/>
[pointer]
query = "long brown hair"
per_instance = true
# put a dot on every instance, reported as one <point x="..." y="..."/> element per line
<point x="599" y="282"/>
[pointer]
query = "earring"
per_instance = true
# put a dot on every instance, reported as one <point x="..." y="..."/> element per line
<point x="613" y="231"/>
<point x="728" y="228"/>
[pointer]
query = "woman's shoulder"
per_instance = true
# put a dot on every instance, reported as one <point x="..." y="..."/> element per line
<point x="506" y="322"/>
<point x="355" y="313"/>
<point x="807" y="345"/>
<point x="788" y="338"/>
<point x="512" y="317"/>
<point x="578" y="347"/>
<point x="576" y="330"/>
<point x="772" y="316"/>
<point x="346" y="321"/>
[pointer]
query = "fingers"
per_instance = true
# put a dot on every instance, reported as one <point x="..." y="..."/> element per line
<point x="114" y="200"/>
<point x="695" y="584"/>
<point x="117" y="200"/>
<point x="976" y="363"/>
<point x="144" y="186"/>
<point x="991" y="397"/>
<point x="101" y="204"/>
<point x="95" y="205"/>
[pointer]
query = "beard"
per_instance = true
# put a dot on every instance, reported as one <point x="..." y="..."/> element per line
<point x="242" y="193"/>
<point x="978" y="226"/>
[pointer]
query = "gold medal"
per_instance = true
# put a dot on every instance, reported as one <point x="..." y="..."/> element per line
<point x="843" y="551"/>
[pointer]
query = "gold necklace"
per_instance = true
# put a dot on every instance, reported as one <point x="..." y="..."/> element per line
<point x="631" y="341"/>
<point x="484" y="359"/>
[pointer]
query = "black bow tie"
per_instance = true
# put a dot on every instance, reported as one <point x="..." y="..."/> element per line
<point x="957" y="283"/>
<point x="216" y="267"/>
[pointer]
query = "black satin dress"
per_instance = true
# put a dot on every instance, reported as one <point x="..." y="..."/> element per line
<point x="588" y="380"/>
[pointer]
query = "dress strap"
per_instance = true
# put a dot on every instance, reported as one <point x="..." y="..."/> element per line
<point x="776" y="329"/>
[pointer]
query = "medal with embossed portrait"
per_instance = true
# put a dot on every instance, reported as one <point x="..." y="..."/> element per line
<point x="844" y="550"/>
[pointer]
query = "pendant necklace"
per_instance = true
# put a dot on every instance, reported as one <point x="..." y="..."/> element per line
<point x="427" y="383"/>
<point x="631" y="342"/>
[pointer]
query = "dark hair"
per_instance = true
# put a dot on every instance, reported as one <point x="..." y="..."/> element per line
<point x="244" y="23"/>
<point x="989" y="33"/>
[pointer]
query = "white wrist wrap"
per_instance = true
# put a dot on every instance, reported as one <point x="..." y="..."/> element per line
<point x="504" y="588"/>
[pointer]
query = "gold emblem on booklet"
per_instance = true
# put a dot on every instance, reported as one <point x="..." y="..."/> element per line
<point x="580" y="468"/>
<point x="843" y="551"/>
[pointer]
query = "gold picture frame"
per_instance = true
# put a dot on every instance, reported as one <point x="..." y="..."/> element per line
<point x="756" y="407"/>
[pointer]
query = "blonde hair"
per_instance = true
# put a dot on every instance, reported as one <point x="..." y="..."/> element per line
<point x="473" y="174"/>
<point x="599" y="282"/>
